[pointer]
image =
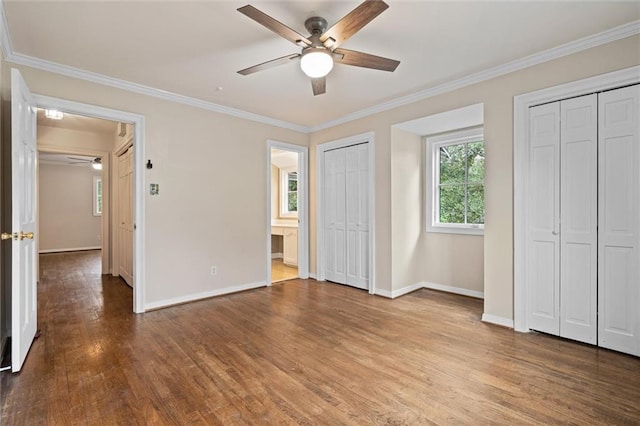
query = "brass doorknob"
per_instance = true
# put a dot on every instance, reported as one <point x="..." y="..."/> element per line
<point x="6" y="236"/>
<point x="26" y="235"/>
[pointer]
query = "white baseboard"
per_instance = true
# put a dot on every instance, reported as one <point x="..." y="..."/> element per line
<point x="505" y="322"/>
<point x="204" y="295"/>
<point x="406" y="290"/>
<point x="277" y="255"/>
<point x="433" y="286"/>
<point x="383" y="293"/>
<point x="313" y="276"/>
<point x="455" y="290"/>
<point x="61" y="250"/>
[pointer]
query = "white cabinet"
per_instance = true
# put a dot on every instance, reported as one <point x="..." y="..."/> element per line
<point x="290" y="248"/>
<point x="583" y="231"/>
<point x="290" y="243"/>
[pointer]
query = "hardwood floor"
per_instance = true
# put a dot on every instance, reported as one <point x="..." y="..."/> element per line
<point x="301" y="353"/>
<point x="282" y="272"/>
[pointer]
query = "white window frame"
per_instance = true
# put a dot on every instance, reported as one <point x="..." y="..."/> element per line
<point x="284" y="192"/>
<point x="96" y="211"/>
<point x="433" y="145"/>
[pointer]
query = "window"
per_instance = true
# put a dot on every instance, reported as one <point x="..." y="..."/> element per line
<point x="456" y="174"/>
<point x="288" y="192"/>
<point x="97" y="196"/>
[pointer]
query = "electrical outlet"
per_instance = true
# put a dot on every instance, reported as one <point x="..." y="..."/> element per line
<point x="214" y="270"/>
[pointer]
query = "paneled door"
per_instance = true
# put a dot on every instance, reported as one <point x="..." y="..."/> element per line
<point x="125" y="216"/>
<point x="346" y="215"/>
<point x="23" y="221"/>
<point x="579" y="218"/>
<point x="357" y="215"/>
<point x="543" y="206"/>
<point x="619" y="220"/>
<point x="335" y="215"/>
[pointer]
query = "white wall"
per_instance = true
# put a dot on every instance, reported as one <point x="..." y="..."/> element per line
<point x="497" y="96"/>
<point x="54" y="137"/>
<point x="407" y="254"/>
<point x="65" y="206"/>
<point x="212" y="202"/>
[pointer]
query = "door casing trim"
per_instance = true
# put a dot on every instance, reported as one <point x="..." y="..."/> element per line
<point x="138" y="121"/>
<point x="303" y="206"/>
<point x="368" y="137"/>
<point x="521" y="105"/>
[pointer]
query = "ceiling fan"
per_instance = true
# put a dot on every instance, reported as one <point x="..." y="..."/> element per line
<point x="96" y="163"/>
<point x="321" y="49"/>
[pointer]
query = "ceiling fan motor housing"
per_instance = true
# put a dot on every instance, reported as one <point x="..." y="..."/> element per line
<point x="316" y="25"/>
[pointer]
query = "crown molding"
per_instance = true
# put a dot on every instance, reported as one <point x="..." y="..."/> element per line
<point x="5" y="40"/>
<point x="53" y="67"/>
<point x="608" y="36"/>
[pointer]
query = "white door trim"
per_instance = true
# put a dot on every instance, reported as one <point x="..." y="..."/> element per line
<point x="521" y="105"/>
<point x="139" y="153"/>
<point x="303" y="206"/>
<point x="369" y="138"/>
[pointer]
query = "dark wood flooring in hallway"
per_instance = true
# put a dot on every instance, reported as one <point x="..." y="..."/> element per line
<point x="299" y="353"/>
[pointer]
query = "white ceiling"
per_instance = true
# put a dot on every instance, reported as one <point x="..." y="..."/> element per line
<point x="79" y="122"/>
<point x="193" y="48"/>
<point x="284" y="159"/>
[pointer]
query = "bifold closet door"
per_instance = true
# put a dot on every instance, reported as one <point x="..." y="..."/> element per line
<point x="357" y="193"/>
<point x="619" y="220"/>
<point x="334" y="215"/>
<point x="543" y="213"/>
<point x="579" y="218"/>
<point x="562" y="236"/>
<point x="346" y="215"/>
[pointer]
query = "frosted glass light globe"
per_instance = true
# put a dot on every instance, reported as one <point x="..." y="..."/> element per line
<point x="316" y="63"/>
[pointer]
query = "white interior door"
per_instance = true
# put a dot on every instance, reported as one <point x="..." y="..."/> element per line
<point x="346" y="212"/>
<point x="357" y="214"/>
<point x="543" y="213"/>
<point x="23" y="196"/>
<point x="619" y="220"/>
<point x="579" y="218"/>
<point x="125" y="216"/>
<point x="335" y="212"/>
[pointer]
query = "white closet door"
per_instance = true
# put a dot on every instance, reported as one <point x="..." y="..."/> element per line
<point x="579" y="218"/>
<point x="543" y="212"/>
<point x="619" y="220"/>
<point x="357" y="203"/>
<point x="125" y="216"/>
<point x="335" y="212"/>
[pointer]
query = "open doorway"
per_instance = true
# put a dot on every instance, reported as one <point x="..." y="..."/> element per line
<point x="130" y="131"/>
<point x="287" y="251"/>
<point x="284" y="213"/>
<point x="85" y="196"/>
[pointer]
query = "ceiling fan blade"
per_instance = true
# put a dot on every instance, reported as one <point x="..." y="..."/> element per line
<point x="365" y="60"/>
<point x="319" y="85"/>
<point x="269" y="64"/>
<point x="276" y="26"/>
<point x="353" y="22"/>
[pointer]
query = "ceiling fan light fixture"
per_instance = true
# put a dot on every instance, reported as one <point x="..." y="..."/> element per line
<point x="316" y="62"/>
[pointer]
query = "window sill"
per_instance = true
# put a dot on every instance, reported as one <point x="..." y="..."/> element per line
<point x="456" y="230"/>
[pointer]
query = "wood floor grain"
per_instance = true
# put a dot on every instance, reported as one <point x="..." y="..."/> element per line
<point x="282" y="272"/>
<point x="300" y="352"/>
